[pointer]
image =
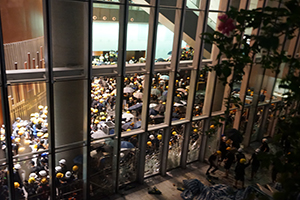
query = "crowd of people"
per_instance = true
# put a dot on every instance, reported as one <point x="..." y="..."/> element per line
<point x="31" y="175"/>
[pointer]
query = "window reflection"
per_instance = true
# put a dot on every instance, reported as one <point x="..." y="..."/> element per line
<point x="153" y="152"/>
<point x="200" y="94"/>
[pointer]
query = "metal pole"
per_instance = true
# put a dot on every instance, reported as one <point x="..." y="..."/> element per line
<point x="6" y="118"/>
<point x="50" y="92"/>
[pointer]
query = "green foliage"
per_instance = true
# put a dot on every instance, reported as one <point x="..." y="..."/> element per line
<point x="276" y="25"/>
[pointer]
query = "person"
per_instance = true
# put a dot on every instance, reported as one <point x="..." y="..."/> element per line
<point x="229" y="159"/>
<point x="213" y="159"/>
<point x="239" y="155"/>
<point x="240" y="171"/>
<point x="63" y="165"/>
<point x="255" y="163"/>
<point x="264" y="147"/>
<point x="43" y="190"/>
<point x="31" y="188"/>
<point x="223" y="147"/>
<point x="19" y="194"/>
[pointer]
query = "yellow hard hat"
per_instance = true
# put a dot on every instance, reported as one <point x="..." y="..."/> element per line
<point x="242" y="160"/>
<point x="188" y="78"/>
<point x="174" y="133"/>
<point x="46" y="135"/>
<point x="21" y="132"/>
<point x="149" y="143"/>
<point x="128" y="111"/>
<point x="44" y="180"/>
<point x="228" y="148"/>
<point x="164" y="103"/>
<point x="128" y="129"/>
<point x="103" y="118"/>
<point x="44" y="116"/>
<point x="2" y="137"/>
<point x="40" y="107"/>
<point x="95" y="110"/>
<point x="17" y="139"/>
<point x="159" y="136"/>
<point x="18" y="125"/>
<point x="101" y="100"/>
<point x="176" y="81"/>
<point x="75" y="168"/>
<point x="31" y="180"/>
<point x="27" y="142"/>
<point x="102" y="113"/>
<point x="195" y="130"/>
<point x="2" y="131"/>
<point x="178" y="95"/>
<point x="35" y="146"/>
<point x="40" y="134"/>
<point x="96" y="121"/>
<point x="21" y="149"/>
<point x="36" y="115"/>
<point x="170" y="143"/>
<point x="212" y="126"/>
<point x="167" y="87"/>
<point x="219" y="152"/>
<point x="154" y="87"/>
<point x="59" y="175"/>
<point x="201" y="75"/>
<point x="16" y="184"/>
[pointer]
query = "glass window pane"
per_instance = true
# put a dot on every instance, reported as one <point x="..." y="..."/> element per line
<point x="69" y="169"/>
<point x="23" y="42"/>
<point x="128" y="160"/>
<point x="28" y="112"/>
<point x="137" y="34"/>
<point x="181" y="94"/>
<point x="195" y="141"/>
<point x="175" y="146"/>
<point x="105" y="34"/>
<point x="158" y="97"/>
<point x="101" y="180"/>
<point x="168" y="3"/>
<point x="165" y="35"/>
<point x="103" y="96"/>
<point x="153" y="152"/>
<point x="200" y="94"/>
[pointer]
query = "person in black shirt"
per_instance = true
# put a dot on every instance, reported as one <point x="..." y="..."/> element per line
<point x="240" y="171"/>
<point x="255" y="163"/>
<point x="213" y="159"/>
<point x="264" y="147"/>
<point x="229" y="159"/>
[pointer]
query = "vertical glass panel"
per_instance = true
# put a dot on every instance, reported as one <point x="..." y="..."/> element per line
<point x="165" y="35"/>
<point x="158" y="97"/>
<point x="128" y="160"/>
<point x="69" y="169"/>
<point x="195" y="141"/>
<point x="153" y="152"/>
<point x="175" y="146"/>
<point x="189" y="35"/>
<point x="101" y="180"/>
<point x="103" y="96"/>
<point x="23" y="42"/>
<point x="105" y="34"/>
<point x="212" y="143"/>
<point x="200" y="94"/>
<point x="133" y="95"/>
<point x="137" y="34"/>
<point x="244" y="120"/>
<point x="28" y="113"/>
<point x="32" y="175"/>
<point x="258" y="118"/>
<point x="210" y="28"/>
<point x="168" y="3"/>
<point x="181" y="94"/>
<point x="70" y="126"/>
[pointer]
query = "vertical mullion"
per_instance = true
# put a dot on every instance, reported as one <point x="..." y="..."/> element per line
<point x="50" y="92"/>
<point x="151" y="47"/>
<point x="6" y="117"/>
<point x="178" y="32"/>
<point x="123" y="13"/>
<point x="86" y="174"/>
<point x="197" y="62"/>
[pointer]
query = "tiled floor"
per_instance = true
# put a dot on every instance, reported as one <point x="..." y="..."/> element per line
<point x="169" y="183"/>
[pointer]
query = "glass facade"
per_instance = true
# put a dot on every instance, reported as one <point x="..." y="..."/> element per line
<point x="112" y="92"/>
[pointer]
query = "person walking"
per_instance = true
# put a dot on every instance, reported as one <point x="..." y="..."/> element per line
<point x="255" y="163"/>
<point x="229" y="159"/>
<point x="240" y="172"/>
<point x="213" y="162"/>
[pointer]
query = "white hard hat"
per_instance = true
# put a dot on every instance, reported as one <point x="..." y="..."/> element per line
<point x="265" y="140"/>
<point x="17" y="166"/>
<point x="62" y="161"/>
<point x="240" y="150"/>
<point x="33" y="175"/>
<point x="68" y="174"/>
<point x="122" y="155"/>
<point x="43" y="173"/>
<point x="152" y="137"/>
<point x="58" y="168"/>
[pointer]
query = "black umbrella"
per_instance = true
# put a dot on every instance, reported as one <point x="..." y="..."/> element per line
<point x="235" y="136"/>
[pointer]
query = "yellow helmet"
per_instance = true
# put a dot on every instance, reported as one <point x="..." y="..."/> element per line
<point x="18" y="140"/>
<point x="149" y="143"/>
<point x="46" y="135"/>
<point x="40" y="134"/>
<point x="174" y="133"/>
<point x="96" y="121"/>
<point x="75" y="168"/>
<point x="195" y="130"/>
<point x="95" y="110"/>
<point x="44" y="180"/>
<point x="44" y="116"/>
<point x="159" y="136"/>
<point x="164" y="103"/>
<point x="21" y="149"/>
<point x="176" y="81"/>
<point x="36" y="115"/>
<point x="128" y="129"/>
<point x="219" y="152"/>
<point x="18" y="125"/>
<point x="35" y="146"/>
<point x="242" y="160"/>
<point x="40" y="107"/>
<point x="2" y="131"/>
<point x="167" y="87"/>
<point x="128" y="111"/>
<point x="228" y="148"/>
<point x="2" y="137"/>
<point x="154" y="87"/>
<point x="59" y="175"/>
<point x="21" y="132"/>
<point x="16" y="184"/>
<point x="212" y="126"/>
<point x="31" y="180"/>
<point x="103" y="118"/>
